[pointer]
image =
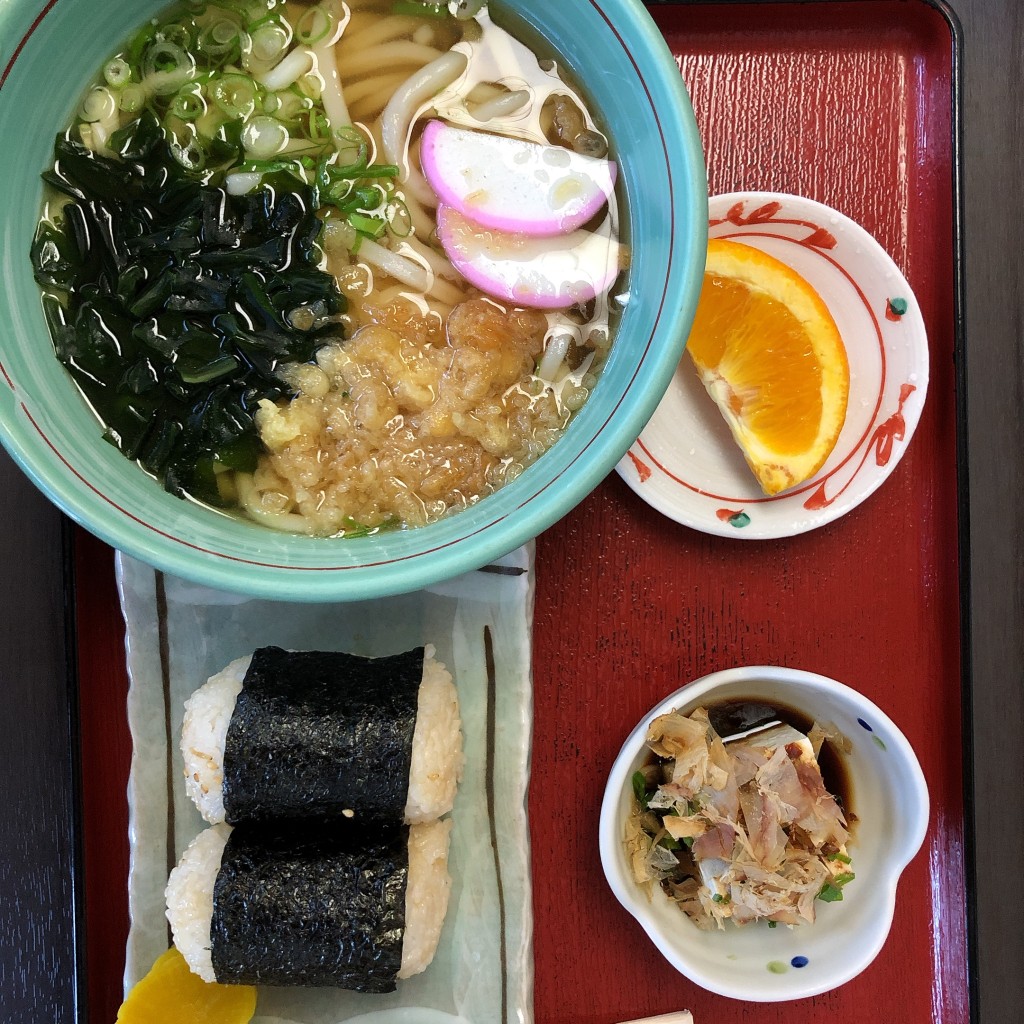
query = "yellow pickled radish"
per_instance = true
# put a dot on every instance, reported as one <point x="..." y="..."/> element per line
<point x="171" y="994"/>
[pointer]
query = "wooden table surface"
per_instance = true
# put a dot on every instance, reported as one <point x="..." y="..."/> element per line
<point x="39" y="742"/>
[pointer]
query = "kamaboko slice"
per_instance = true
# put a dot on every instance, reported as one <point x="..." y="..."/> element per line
<point x="546" y="273"/>
<point x="511" y="184"/>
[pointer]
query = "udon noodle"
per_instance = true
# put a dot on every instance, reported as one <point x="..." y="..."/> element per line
<point x="424" y="392"/>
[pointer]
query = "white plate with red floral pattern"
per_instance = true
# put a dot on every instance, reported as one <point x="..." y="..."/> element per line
<point x="686" y="464"/>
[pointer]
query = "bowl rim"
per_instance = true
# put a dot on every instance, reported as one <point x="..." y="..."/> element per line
<point x="632" y="898"/>
<point x="443" y="553"/>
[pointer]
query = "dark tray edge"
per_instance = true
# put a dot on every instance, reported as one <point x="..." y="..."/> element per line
<point x="80" y="990"/>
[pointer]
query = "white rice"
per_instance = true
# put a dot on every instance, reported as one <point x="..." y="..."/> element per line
<point x="426" y="895"/>
<point x="436" y="766"/>
<point x="203" y="735"/>
<point x="434" y="772"/>
<point x="189" y="897"/>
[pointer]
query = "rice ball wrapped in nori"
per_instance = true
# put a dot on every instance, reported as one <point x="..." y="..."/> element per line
<point x="294" y="905"/>
<point x="294" y="734"/>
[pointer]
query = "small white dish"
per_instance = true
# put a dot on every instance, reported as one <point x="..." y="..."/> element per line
<point x="887" y="793"/>
<point x="686" y="464"/>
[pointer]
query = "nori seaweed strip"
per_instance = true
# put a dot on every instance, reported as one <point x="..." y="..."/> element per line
<point x="316" y="734"/>
<point x="311" y="905"/>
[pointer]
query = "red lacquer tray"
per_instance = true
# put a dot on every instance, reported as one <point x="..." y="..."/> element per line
<point x="853" y="104"/>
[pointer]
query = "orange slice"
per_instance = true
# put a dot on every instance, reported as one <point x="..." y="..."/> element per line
<point x="769" y="353"/>
<point x="172" y="994"/>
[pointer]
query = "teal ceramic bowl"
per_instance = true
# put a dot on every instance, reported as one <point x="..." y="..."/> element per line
<point x="49" y="50"/>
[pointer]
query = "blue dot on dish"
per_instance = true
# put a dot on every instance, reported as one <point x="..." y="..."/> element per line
<point x="863" y="724"/>
<point x="799" y="961"/>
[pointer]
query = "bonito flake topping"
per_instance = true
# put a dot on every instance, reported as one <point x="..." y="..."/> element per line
<point x="739" y="830"/>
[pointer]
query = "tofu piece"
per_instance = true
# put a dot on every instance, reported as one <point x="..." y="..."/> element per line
<point x="765" y="739"/>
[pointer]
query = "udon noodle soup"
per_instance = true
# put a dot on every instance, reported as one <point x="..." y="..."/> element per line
<point x="340" y="267"/>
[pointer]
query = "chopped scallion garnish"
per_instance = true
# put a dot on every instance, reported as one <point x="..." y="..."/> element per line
<point x="640" y="788"/>
<point x="117" y="73"/>
<point x="419" y="10"/>
<point x="830" y="893"/>
<point x="369" y="226"/>
<point x="313" y="26"/>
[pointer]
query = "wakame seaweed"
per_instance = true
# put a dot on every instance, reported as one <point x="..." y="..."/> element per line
<point x="171" y="302"/>
<point x="322" y="734"/>
<point x="300" y="904"/>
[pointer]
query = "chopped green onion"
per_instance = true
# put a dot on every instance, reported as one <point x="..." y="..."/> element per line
<point x="313" y="26"/>
<point x="235" y="94"/>
<point x="338" y="194"/>
<point x="265" y="166"/>
<point x="165" y="55"/>
<point x="773" y="924"/>
<point x="381" y="171"/>
<point x="369" y="226"/>
<point x="352" y="528"/>
<point x="99" y="105"/>
<point x="293" y="104"/>
<point x="261" y="19"/>
<point x="140" y="41"/>
<point x="669" y="843"/>
<point x="177" y="33"/>
<point x="241" y="183"/>
<point x="253" y="10"/>
<point x="270" y="41"/>
<point x="348" y="138"/>
<point x="841" y="857"/>
<point x="830" y="893"/>
<point x="369" y="198"/>
<point x="719" y="898"/>
<point x="264" y="137"/>
<point x="133" y="99"/>
<point x="419" y="10"/>
<point x="640" y="788"/>
<point x="117" y="73"/>
<point x="167" y="67"/>
<point x="224" y="39"/>
<point x="189" y="103"/>
<point x="319" y="127"/>
<point x="399" y="218"/>
<point x="209" y="125"/>
<point x="842" y="878"/>
<point x="189" y="153"/>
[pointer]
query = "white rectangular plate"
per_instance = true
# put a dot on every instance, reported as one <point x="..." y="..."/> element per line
<point x="179" y="633"/>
